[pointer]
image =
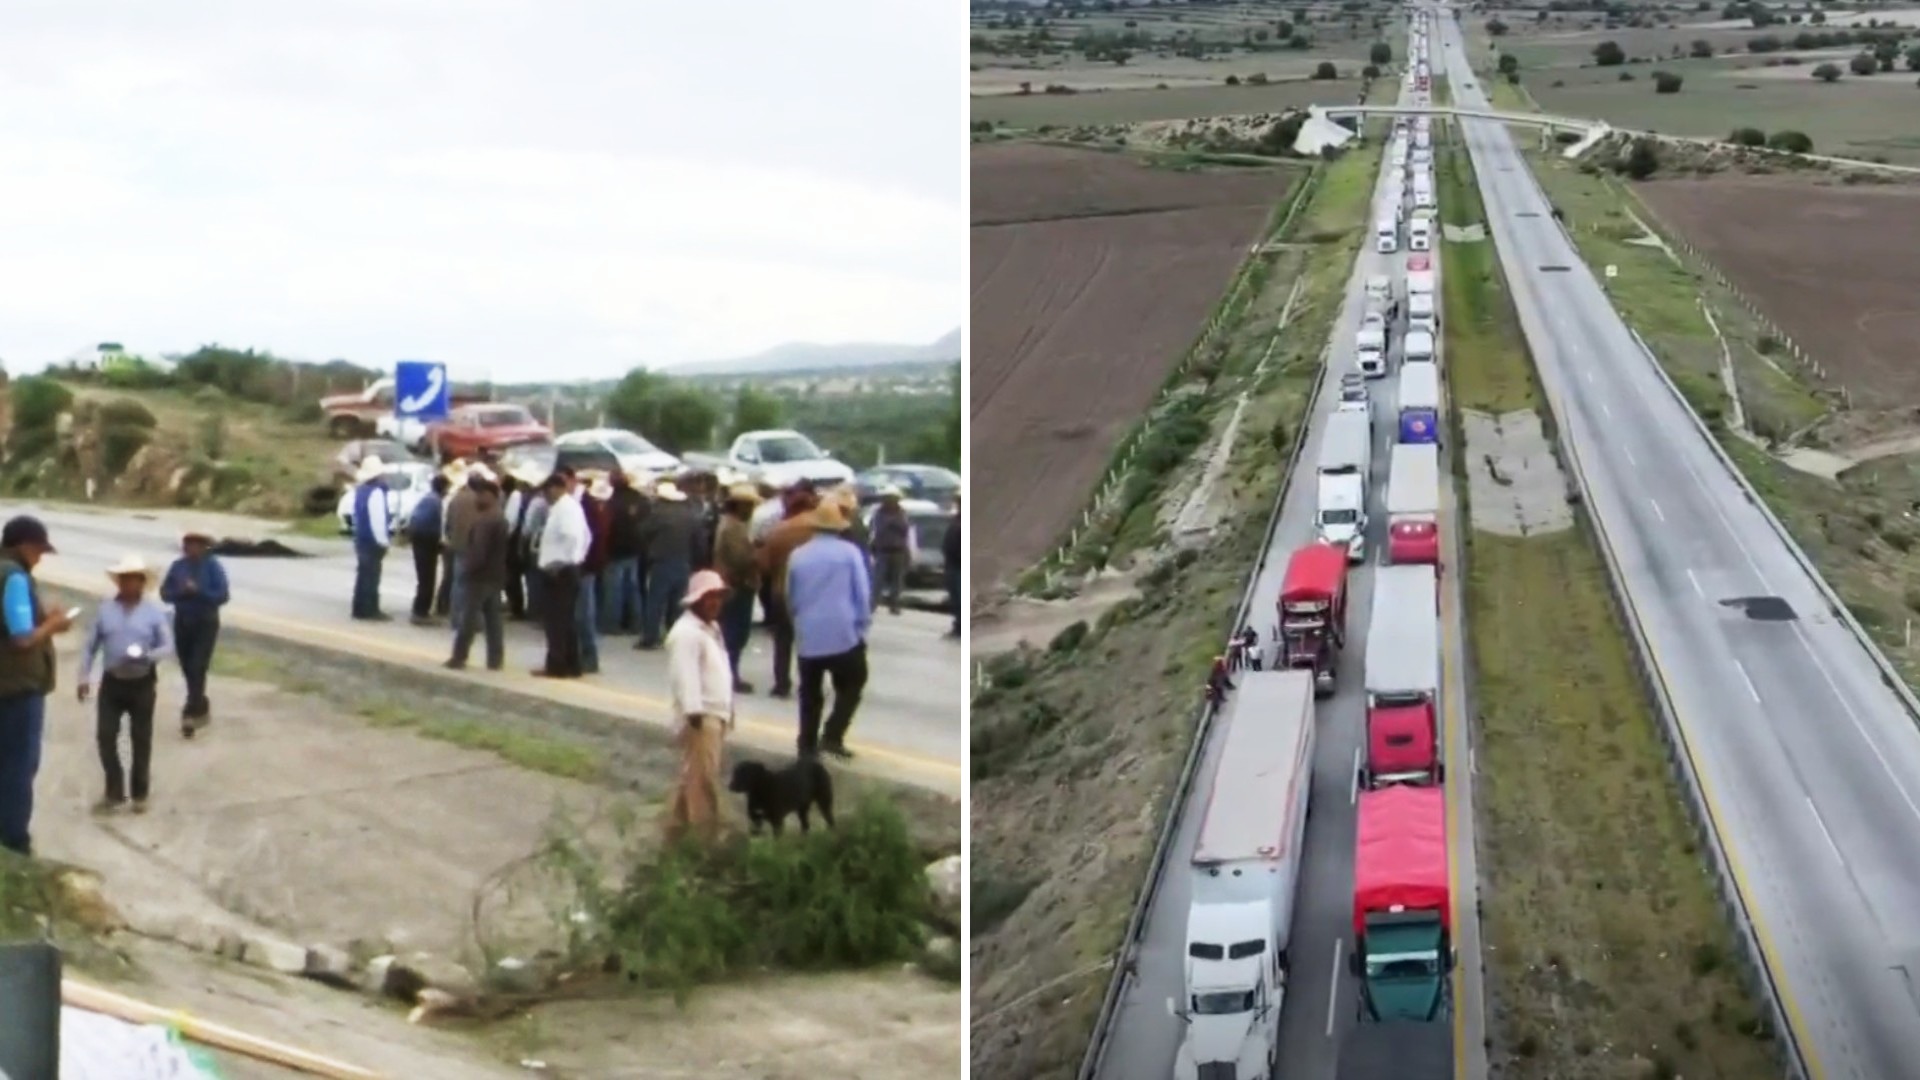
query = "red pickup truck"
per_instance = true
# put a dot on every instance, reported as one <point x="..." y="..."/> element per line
<point x="473" y="428"/>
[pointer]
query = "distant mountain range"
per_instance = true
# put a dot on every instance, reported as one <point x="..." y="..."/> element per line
<point x="803" y="356"/>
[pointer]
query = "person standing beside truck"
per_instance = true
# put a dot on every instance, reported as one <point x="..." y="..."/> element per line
<point x="26" y="675"/>
<point x="372" y="536"/>
<point x="424" y="529"/>
<point x="893" y="549"/>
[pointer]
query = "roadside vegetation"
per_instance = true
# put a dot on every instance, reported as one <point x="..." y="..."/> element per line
<point x="1076" y="747"/>
<point x="1607" y="952"/>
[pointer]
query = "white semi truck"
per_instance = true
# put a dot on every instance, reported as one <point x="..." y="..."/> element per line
<point x="1244" y="872"/>
<point x="1346" y="463"/>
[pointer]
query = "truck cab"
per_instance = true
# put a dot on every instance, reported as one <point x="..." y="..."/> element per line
<point x="1313" y="613"/>
<point x="1421" y="314"/>
<point x="1419" y="346"/>
<point x="1420" y="234"/>
<point x="1386" y="236"/>
<point x="1340" y="518"/>
<point x="1235" y="982"/>
<point x="1370" y="351"/>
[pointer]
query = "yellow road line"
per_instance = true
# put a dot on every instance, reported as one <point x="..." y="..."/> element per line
<point x="1456" y="788"/>
<point x="769" y="733"/>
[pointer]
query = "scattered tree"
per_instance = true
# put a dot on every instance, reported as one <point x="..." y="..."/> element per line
<point x="754" y="410"/>
<point x="1381" y="54"/>
<point x="1509" y="63"/>
<point x="1326" y="70"/>
<point x="1643" y="160"/>
<point x="1233" y="80"/>
<point x="1792" y="142"/>
<point x="1496" y="28"/>
<point x="1748" y="137"/>
<point x="677" y="415"/>
<point x="1827" y="72"/>
<point x="1369" y="72"/>
<point x="1609" y="54"/>
<point x="1913" y="58"/>
<point x="1702" y="50"/>
<point x="1765" y="43"/>
<point x="1817" y="18"/>
<point x="1666" y="82"/>
<point x="1863" y="64"/>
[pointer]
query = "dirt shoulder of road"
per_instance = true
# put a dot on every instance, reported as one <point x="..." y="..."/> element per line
<point x="340" y="810"/>
<point x="1607" y="954"/>
<point x="1076" y="747"/>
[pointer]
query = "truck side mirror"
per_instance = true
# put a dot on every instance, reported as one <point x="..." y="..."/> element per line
<point x="1173" y="1009"/>
<point x="1353" y="964"/>
<point x="1453" y="960"/>
<point x="1439" y="772"/>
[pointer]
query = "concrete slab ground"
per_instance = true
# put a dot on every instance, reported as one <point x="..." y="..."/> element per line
<point x="1515" y="486"/>
<point x="911" y="721"/>
<point x="291" y="817"/>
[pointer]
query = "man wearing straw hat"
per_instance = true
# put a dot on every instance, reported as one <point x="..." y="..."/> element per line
<point x="132" y="634"/>
<point x="701" y="684"/>
<point x="196" y="586"/>
<point x="372" y="536"/>
<point x="671" y="534"/>
<point x="830" y="596"/>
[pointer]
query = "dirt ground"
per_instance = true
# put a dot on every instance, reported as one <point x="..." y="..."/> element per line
<point x="1834" y="267"/>
<point x="296" y="819"/>
<point x="1097" y="276"/>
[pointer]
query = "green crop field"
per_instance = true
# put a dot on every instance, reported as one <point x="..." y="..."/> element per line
<point x="1174" y="103"/>
<point x="1877" y="116"/>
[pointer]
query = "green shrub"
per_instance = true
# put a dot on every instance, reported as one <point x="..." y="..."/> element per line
<point x="118" y="444"/>
<point x="125" y="412"/>
<point x="212" y="436"/>
<point x="686" y="914"/>
<point x="38" y="401"/>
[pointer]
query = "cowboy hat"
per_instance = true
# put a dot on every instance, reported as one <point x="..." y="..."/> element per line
<point x="830" y="516"/>
<point x="482" y="473"/>
<point x="129" y="566"/>
<point x="744" y="493"/>
<point x="669" y="491"/>
<point x="890" y="492"/>
<point x="370" y="467"/>
<point x="196" y="534"/>
<point x="704" y="583"/>
<point x="602" y="489"/>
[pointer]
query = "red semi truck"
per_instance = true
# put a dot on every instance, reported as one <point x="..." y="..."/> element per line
<point x="1402" y="905"/>
<point x="1313" y="613"/>
<point x="1403" y="679"/>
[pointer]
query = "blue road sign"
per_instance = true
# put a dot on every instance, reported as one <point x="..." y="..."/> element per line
<point x="421" y="390"/>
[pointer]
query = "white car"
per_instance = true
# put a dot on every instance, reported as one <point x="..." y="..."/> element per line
<point x="407" y="482"/>
<point x="604" y="449"/>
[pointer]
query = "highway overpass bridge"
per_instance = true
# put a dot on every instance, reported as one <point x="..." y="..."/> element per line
<point x="1539" y="120"/>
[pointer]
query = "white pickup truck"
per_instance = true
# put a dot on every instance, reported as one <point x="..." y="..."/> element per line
<point x="778" y="457"/>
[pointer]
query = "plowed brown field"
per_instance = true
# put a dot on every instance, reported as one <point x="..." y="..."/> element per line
<point x="1092" y="274"/>
<point x="1834" y="267"/>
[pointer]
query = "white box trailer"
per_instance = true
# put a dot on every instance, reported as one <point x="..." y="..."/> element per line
<point x="1413" y="483"/>
<point x="1244" y="875"/>
<point x="1347" y="444"/>
<point x="1403" y="634"/>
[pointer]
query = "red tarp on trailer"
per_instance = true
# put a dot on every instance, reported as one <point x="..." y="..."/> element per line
<point x="1400" y="739"/>
<point x="1315" y="574"/>
<point x="1400" y="854"/>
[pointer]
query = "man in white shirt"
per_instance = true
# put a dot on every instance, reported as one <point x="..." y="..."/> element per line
<point x="564" y="542"/>
<point x="700" y="678"/>
<point x="372" y="536"/>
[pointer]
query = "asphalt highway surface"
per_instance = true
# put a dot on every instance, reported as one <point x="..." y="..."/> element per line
<point x="909" y="726"/>
<point x="1811" y="763"/>
<point x="1320" y="1003"/>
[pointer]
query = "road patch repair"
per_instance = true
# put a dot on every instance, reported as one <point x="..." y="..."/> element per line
<point x="318" y="845"/>
<point x="1515" y="486"/>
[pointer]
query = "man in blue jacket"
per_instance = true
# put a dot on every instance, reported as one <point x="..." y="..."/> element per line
<point x="196" y="587"/>
<point x="372" y="535"/>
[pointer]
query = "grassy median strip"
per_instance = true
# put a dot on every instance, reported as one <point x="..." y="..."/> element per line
<point x="1607" y="952"/>
<point x="1076" y="747"/>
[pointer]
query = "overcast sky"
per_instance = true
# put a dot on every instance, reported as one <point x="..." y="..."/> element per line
<point x="518" y="187"/>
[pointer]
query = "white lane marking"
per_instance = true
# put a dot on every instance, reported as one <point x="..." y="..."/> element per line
<point x="1604" y="409"/>
<point x="1589" y="374"/>
<point x="1333" y="984"/>
<point x="1820" y="821"/>
<point x="1745" y="678"/>
<point x="1656" y="509"/>
<point x="1353" y="792"/>
<point x="1846" y="705"/>
<point x="1629" y="452"/>
<point x="1697" y="591"/>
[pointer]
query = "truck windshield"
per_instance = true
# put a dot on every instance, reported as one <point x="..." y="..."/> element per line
<point x="1339" y="517"/>
<point x="1223" y="1002"/>
<point x="1403" y="966"/>
<point x="789" y="448"/>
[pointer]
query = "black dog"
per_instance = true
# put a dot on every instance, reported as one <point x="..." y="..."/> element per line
<point x="772" y="794"/>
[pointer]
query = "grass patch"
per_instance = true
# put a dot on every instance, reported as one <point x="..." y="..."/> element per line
<point x="1479" y="313"/>
<point x="688" y="914"/>
<point x="1603" y="937"/>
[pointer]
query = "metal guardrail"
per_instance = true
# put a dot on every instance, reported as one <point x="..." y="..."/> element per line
<point x="1136" y="921"/>
<point x="1679" y="752"/>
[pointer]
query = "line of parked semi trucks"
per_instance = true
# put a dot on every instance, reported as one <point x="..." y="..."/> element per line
<point x="1246" y="862"/>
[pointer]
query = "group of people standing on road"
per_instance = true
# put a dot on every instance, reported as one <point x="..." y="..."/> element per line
<point x="130" y="636"/>
<point x="678" y="563"/>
